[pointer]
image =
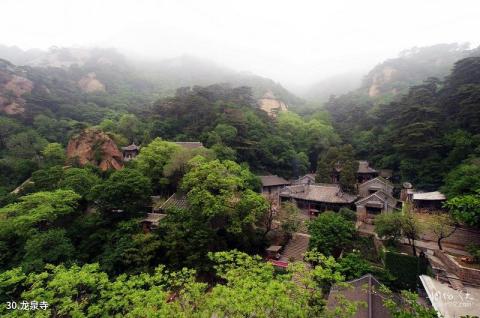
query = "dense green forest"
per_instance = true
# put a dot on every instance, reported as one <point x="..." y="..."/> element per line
<point x="425" y="134"/>
<point x="71" y="234"/>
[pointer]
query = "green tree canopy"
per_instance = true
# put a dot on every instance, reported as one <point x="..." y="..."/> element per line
<point x="47" y="179"/>
<point x="54" y="154"/>
<point x="389" y="226"/>
<point x="249" y="287"/>
<point x="464" y="179"/>
<point x="465" y="209"/>
<point x="51" y="246"/>
<point x="126" y="190"/>
<point x="153" y="158"/>
<point x="223" y="191"/>
<point x="37" y="210"/>
<point x="330" y="232"/>
<point x="80" y="180"/>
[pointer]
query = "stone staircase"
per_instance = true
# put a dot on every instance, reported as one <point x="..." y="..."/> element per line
<point x="296" y="248"/>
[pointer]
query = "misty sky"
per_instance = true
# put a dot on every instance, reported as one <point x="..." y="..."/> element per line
<point x="294" y="42"/>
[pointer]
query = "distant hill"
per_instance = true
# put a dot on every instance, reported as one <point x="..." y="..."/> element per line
<point x="169" y="74"/>
<point x="394" y="76"/>
<point x="109" y="71"/>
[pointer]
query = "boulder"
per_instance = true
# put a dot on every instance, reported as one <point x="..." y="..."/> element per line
<point x="95" y="147"/>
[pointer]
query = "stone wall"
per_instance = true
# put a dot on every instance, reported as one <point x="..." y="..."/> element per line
<point x="466" y="274"/>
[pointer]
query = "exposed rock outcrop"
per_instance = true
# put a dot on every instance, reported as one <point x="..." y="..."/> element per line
<point x="95" y="147"/>
<point x="90" y="84"/>
<point x="270" y="104"/>
<point x="380" y="79"/>
<point x="12" y="88"/>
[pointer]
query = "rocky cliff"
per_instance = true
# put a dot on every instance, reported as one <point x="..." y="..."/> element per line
<point x="272" y="105"/>
<point x="90" y="83"/>
<point x="395" y="76"/>
<point x="13" y="85"/>
<point x="95" y="147"/>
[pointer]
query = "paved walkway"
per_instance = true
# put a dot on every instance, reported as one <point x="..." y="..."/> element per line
<point x="296" y="247"/>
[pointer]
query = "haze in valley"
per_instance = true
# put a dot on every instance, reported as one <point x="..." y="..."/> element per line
<point x="296" y="43"/>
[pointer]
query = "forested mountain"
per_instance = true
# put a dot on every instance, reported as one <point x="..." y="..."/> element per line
<point x="394" y="76"/>
<point x="73" y="211"/>
<point x="170" y="74"/>
<point x="47" y="104"/>
<point x="164" y="75"/>
<point x="388" y="80"/>
<point x="424" y="134"/>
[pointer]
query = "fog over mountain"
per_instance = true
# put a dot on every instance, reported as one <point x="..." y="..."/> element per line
<point x="296" y="43"/>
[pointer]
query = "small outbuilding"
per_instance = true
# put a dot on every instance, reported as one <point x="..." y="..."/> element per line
<point x="375" y="204"/>
<point x="373" y="185"/>
<point x="130" y="152"/>
<point x="364" y="172"/>
<point x="271" y="184"/>
<point x="428" y="201"/>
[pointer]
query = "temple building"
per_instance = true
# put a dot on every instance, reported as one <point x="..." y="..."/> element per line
<point x="365" y="172"/>
<point x="160" y="211"/>
<point x="130" y="152"/>
<point x="317" y="198"/>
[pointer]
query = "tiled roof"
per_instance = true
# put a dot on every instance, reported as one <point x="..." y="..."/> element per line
<point x="328" y="193"/>
<point x="429" y="196"/>
<point x="377" y="179"/>
<point x="378" y="196"/>
<point x="364" y="289"/>
<point x="272" y="180"/>
<point x="131" y="147"/>
<point x="175" y="201"/>
<point x="308" y="176"/>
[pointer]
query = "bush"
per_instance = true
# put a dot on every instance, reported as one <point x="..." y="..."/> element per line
<point x="474" y="250"/>
<point x="404" y="268"/>
<point x="348" y="214"/>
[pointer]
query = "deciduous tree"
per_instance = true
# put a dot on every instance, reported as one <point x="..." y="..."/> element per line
<point x="330" y="232"/>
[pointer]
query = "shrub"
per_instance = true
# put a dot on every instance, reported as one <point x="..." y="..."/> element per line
<point x="404" y="268"/>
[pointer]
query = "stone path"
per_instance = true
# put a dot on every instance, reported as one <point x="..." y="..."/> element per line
<point x="296" y="247"/>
